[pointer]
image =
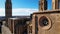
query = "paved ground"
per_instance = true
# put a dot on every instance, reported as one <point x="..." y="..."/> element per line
<point x="5" y="30"/>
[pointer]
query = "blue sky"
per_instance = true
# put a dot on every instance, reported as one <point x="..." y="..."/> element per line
<point x="24" y="4"/>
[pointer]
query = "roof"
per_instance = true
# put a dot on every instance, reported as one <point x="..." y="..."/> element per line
<point x="48" y="11"/>
<point x="15" y="17"/>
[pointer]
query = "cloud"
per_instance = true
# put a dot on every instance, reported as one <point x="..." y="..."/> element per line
<point x="2" y="12"/>
<point x="19" y="11"/>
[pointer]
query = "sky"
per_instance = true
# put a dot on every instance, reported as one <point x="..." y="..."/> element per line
<point x="22" y="7"/>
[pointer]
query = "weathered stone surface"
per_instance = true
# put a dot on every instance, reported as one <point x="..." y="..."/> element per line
<point x="53" y="26"/>
<point x="5" y="30"/>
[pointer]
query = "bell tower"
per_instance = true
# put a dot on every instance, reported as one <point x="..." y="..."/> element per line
<point x="8" y="9"/>
<point x="42" y="5"/>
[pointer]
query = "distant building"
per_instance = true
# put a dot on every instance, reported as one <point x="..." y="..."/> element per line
<point x="18" y="25"/>
<point x="8" y="8"/>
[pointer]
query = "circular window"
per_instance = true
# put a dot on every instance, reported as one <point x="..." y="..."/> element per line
<point x="45" y="22"/>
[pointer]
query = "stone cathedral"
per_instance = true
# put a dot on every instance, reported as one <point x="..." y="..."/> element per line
<point x="42" y="22"/>
<point x="46" y="21"/>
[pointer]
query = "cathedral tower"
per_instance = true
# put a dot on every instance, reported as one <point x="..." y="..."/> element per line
<point x="8" y="9"/>
<point x="42" y="5"/>
<point x="55" y="4"/>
